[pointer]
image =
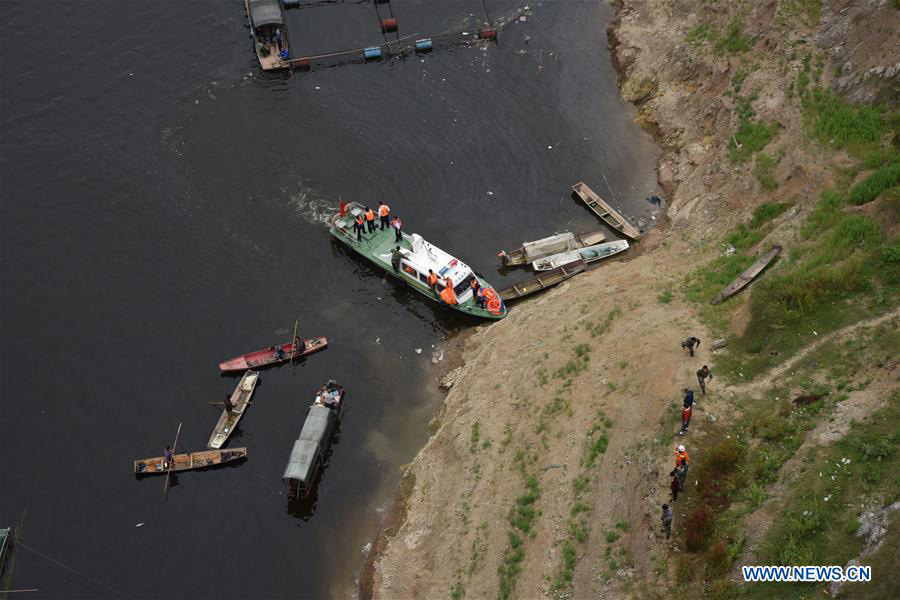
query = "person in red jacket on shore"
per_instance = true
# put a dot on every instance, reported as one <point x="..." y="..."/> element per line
<point x="685" y="419"/>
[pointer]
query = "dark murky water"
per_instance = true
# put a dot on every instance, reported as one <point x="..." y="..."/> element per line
<point x="160" y="210"/>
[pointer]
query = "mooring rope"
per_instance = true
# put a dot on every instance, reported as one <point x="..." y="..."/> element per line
<point x="68" y="568"/>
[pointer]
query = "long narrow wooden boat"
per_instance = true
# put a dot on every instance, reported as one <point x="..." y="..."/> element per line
<point x="240" y="400"/>
<point x="266" y="18"/>
<point x="308" y="452"/>
<point x="418" y="258"/>
<point x="543" y="281"/>
<point x="188" y="461"/>
<point x="554" y="244"/>
<point x="606" y="212"/>
<point x="588" y="255"/>
<point x="268" y="357"/>
<point x="747" y="276"/>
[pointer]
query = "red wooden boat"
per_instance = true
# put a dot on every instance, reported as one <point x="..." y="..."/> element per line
<point x="268" y="357"/>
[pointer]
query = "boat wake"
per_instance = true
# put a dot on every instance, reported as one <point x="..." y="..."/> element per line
<point x="310" y="205"/>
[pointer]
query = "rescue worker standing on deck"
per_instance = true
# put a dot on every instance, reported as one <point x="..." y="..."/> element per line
<point x="398" y="229"/>
<point x="396" y="255"/>
<point x="358" y="226"/>
<point x="370" y="219"/>
<point x="447" y="294"/>
<point x="383" y="211"/>
<point x="432" y="282"/>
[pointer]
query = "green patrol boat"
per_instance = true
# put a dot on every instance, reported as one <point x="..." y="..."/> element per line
<point x="418" y="256"/>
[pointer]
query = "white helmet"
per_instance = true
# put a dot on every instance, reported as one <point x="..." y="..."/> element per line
<point x="681" y="448"/>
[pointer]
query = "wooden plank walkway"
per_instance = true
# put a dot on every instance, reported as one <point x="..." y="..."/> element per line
<point x="607" y="213"/>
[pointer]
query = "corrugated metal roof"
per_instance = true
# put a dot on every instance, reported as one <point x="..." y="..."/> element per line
<point x="265" y="12"/>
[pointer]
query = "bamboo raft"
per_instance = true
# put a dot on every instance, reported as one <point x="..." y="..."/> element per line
<point x="747" y="276"/>
<point x="543" y="281"/>
<point x="188" y="461"/>
<point x="607" y="213"/>
<point x="240" y="400"/>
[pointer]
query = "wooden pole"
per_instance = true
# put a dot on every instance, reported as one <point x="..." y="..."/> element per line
<point x="294" y="341"/>
<point x="169" y="470"/>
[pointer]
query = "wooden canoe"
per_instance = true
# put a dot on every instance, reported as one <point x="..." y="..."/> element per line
<point x="188" y="461"/>
<point x="607" y="213"/>
<point x="543" y="281"/>
<point x="240" y="400"/>
<point x="267" y="357"/>
<point x="554" y="244"/>
<point x="747" y="276"/>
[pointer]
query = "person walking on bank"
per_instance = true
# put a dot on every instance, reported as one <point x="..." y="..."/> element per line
<point x="667" y="520"/>
<point x="383" y="211"/>
<point x="681" y="455"/>
<point x="690" y="343"/>
<point x="398" y="229"/>
<point x="685" y="419"/>
<point x="674" y="486"/>
<point x="688" y="397"/>
<point x="681" y="473"/>
<point x="702" y="374"/>
<point x="370" y="219"/>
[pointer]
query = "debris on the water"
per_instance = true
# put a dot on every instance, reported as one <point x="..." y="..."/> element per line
<point x="437" y="357"/>
<point x="139" y="525"/>
<point x="490" y="193"/>
<point x="418" y="351"/>
<point x="378" y="340"/>
<point x="549" y="147"/>
<point x="367" y="548"/>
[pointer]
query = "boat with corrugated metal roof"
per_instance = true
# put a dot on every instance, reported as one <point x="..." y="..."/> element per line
<point x="270" y="34"/>
<point x="417" y="259"/>
<point x="308" y="452"/>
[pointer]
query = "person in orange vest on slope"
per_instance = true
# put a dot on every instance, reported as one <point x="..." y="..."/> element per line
<point x="359" y="227"/>
<point x="370" y="219"/>
<point x="383" y="211"/>
<point x="447" y="294"/>
<point x="432" y="282"/>
<point x="398" y="229"/>
<point x="681" y="453"/>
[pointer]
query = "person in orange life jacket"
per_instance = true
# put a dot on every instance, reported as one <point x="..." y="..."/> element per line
<point x="370" y="219"/>
<point x="359" y="227"/>
<point x="398" y="233"/>
<point x="432" y="281"/>
<point x="477" y="292"/>
<point x="681" y="454"/>
<point x="685" y="419"/>
<point x="447" y="294"/>
<point x="383" y="211"/>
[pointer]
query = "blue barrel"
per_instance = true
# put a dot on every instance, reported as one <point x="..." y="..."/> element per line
<point x="423" y="45"/>
<point x="373" y="52"/>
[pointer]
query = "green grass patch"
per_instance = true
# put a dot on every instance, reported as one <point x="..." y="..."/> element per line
<point x="733" y="41"/>
<point x="872" y="186"/>
<point x="840" y="124"/>
<point x="704" y="32"/>
<point x="764" y="170"/>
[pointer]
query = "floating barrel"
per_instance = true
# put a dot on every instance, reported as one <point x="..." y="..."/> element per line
<point x="388" y="25"/>
<point x="423" y="45"/>
<point x="302" y="64"/>
<point x="487" y="33"/>
<point x="372" y="53"/>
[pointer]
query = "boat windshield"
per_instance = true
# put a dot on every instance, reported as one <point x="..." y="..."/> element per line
<point x="463" y="285"/>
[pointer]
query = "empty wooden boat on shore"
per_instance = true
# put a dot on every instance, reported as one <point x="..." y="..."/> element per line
<point x="588" y="255"/>
<point x="543" y="281"/>
<point x="188" y="461"/>
<point x="273" y="355"/>
<point x="607" y="213"/>
<point x="747" y="276"/>
<point x="308" y="452"/>
<point x="240" y="400"/>
<point x="554" y="244"/>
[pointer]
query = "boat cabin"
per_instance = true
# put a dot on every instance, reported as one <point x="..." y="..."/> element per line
<point x="308" y="452"/>
<point x="422" y="256"/>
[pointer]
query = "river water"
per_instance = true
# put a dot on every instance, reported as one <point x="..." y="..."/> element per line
<point x="161" y="206"/>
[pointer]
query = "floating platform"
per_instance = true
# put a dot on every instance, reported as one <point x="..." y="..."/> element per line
<point x="607" y="213"/>
<point x="543" y="281"/>
<point x="744" y="279"/>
